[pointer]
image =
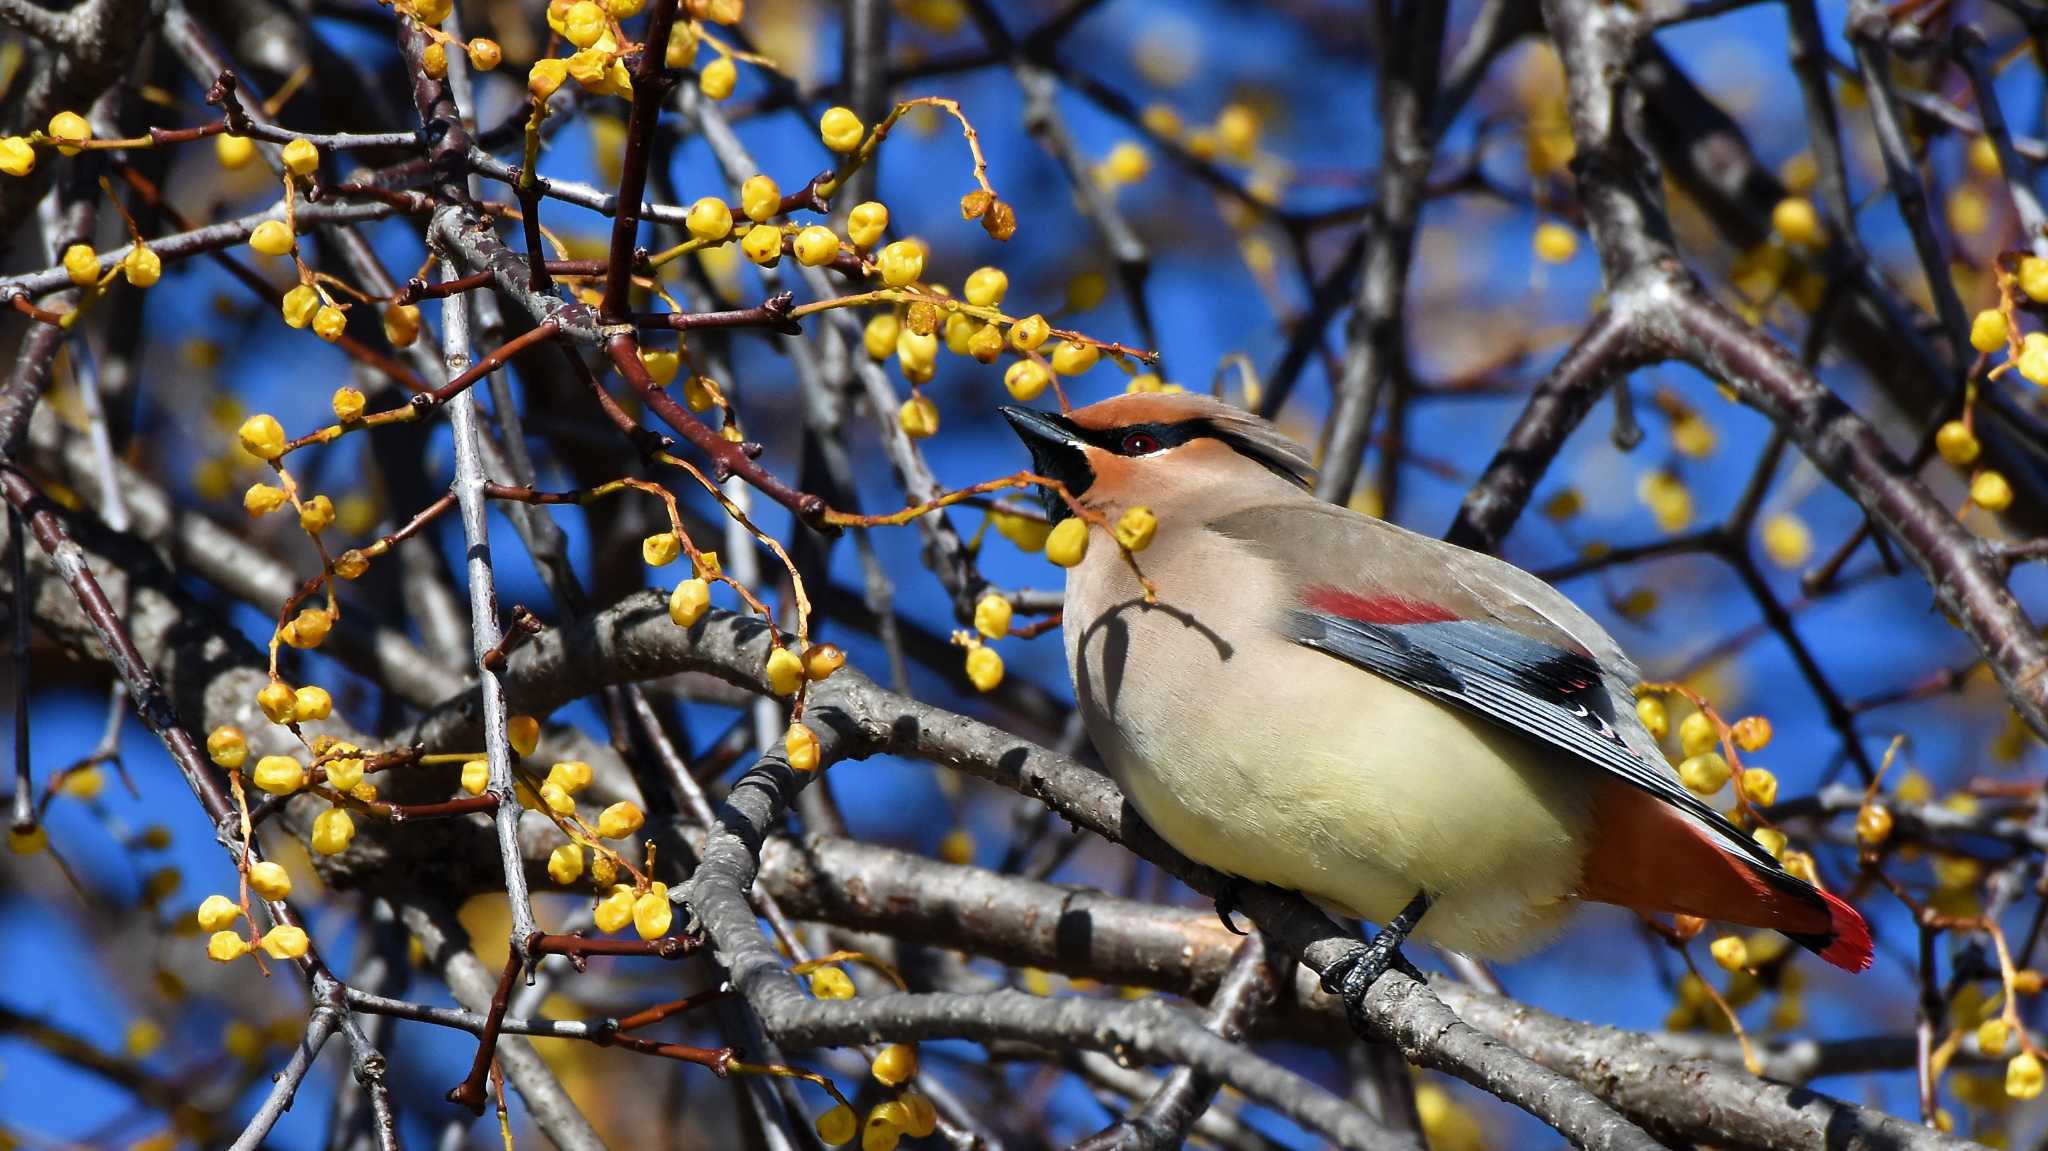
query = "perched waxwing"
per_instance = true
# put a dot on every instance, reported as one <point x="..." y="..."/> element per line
<point x="1403" y="730"/>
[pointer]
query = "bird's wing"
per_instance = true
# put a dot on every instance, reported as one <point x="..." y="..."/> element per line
<point x="1477" y="634"/>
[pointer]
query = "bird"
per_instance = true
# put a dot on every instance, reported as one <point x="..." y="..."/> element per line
<point x="1406" y="731"/>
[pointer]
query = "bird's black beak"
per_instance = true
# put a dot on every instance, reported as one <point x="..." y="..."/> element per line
<point x="1056" y="453"/>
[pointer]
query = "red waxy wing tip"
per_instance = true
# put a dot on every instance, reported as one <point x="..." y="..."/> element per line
<point x="1850" y="949"/>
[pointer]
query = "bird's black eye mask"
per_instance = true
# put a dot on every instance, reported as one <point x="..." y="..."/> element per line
<point x="1058" y="448"/>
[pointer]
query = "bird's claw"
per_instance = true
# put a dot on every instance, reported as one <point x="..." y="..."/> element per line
<point x="1226" y="905"/>
<point x="1351" y="976"/>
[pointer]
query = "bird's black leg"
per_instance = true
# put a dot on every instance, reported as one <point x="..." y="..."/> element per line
<point x="1352" y="976"/>
<point x="1226" y="903"/>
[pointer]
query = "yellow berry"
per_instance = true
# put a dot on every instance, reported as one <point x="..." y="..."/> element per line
<point x="838" y="1126"/>
<point x="1072" y="357"/>
<point x="841" y="129"/>
<point x="1759" y="787"/>
<point x="523" y="732"/>
<point x="924" y="1118"/>
<point x="700" y="393"/>
<point x="226" y="947"/>
<point x="918" y="351"/>
<point x="572" y="775"/>
<point x="866" y="223"/>
<point x="2023" y="1076"/>
<point x="82" y="265"/>
<point x="661" y="365"/>
<point x="476" y="775"/>
<point x="565" y="864"/>
<point x="1656" y="719"/>
<point x="557" y="799"/>
<point x="1796" y="222"/>
<point x="901" y="263"/>
<point x="278" y="774"/>
<point x="315" y="514"/>
<point x="1957" y="444"/>
<point x="332" y="830"/>
<point x="227" y="747"/>
<point x="1990" y="491"/>
<point x="271" y="238"/>
<point x="992" y="616"/>
<point x="285" y="941"/>
<point x="1697" y="734"/>
<point x="800" y="746"/>
<point x="919" y="417"/>
<point x="660" y="548"/>
<point x="822" y="660"/>
<point x="763" y="245"/>
<point x="815" y="246"/>
<point x="885" y="1126"/>
<point x="545" y="78"/>
<point x="1751" y="732"/>
<point x="69" y="129"/>
<point x="1135" y="528"/>
<point x="1026" y="379"/>
<point x="329" y="323"/>
<point x="312" y="702"/>
<point x="880" y="334"/>
<point x="760" y="198"/>
<point x="718" y="78"/>
<point x="300" y="157"/>
<point x="984" y="667"/>
<point x="894" y="1065"/>
<point x="619" y="820"/>
<point x="986" y="344"/>
<point x="584" y="24"/>
<point x="1987" y="330"/>
<point x="687" y="604"/>
<point x="1704" y="774"/>
<point x="652" y="912"/>
<point x="277" y="701"/>
<point x="216" y="912"/>
<point x="1730" y="952"/>
<point x="1771" y="840"/>
<point x="85" y="783"/>
<point x="708" y="218"/>
<point x="2033" y="278"/>
<point x="615" y="910"/>
<point x="485" y="54"/>
<point x="1992" y="1036"/>
<point x="142" y="266"/>
<point x="17" y="156"/>
<point x="783" y="671"/>
<point x="1787" y="540"/>
<point x="344" y="773"/>
<point x="1067" y="545"/>
<point x="1028" y="333"/>
<point x="1127" y="163"/>
<point x="985" y="287"/>
<point x="263" y="498"/>
<point x="269" y="879"/>
<point x="348" y="404"/>
<point x="1555" y="243"/>
<point x="831" y="983"/>
<point x="309" y="628"/>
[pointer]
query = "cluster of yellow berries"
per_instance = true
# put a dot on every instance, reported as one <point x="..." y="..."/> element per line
<point x="598" y="64"/>
<point x="68" y="133"/>
<point x="1703" y="770"/>
<point x="909" y="1113"/>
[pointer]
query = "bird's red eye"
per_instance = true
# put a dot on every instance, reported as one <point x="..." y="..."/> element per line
<point x="1139" y="443"/>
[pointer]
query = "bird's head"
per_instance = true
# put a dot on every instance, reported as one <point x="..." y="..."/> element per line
<point x="1149" y="448"/>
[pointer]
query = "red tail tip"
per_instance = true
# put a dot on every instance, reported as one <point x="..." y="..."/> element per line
<point x="1850" y="948"/>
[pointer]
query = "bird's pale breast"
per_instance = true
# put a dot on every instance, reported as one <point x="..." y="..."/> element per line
<point x="1277" y="763"/>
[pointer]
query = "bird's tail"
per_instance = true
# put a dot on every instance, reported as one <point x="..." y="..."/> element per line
<point x="1648" y="856"/>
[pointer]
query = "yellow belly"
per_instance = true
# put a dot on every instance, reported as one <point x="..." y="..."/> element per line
<point x="1286" y="766"/>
